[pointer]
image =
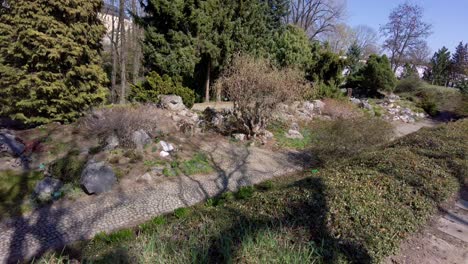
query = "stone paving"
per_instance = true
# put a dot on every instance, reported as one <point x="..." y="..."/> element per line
<point x="54" y="226"/>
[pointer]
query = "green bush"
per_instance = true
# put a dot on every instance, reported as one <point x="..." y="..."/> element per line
<point x="376" y="76"/>
<point x="410" y="84"/>
<point x="428" y="102"/>
<point x="155" y="85"/>
<point x="347" y="137"/>
<point x="68" y="169"/>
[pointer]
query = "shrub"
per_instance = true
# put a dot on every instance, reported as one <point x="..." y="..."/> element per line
<point x="347" y="137"/>
<point x="340" y="109"/>
<point x="68" y="169"/>
<point x="123" y="121"/>
<point x="256" y="88"/>
<point x="428" y="103"/>
<point x="410" y="84"/>
<point x="374" y="77"/>
<point x="155" y="85"/>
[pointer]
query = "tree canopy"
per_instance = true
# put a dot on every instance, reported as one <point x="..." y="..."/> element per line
<point x="50" y="64"/>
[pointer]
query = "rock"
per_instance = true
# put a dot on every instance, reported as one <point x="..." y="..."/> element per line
<point x="112" y="142"/>
<point x="239" y="136"/>
<point x="164" y="154"/>
<point x="145" y="178"/>
<point x="97" y="178"/>
<point x="140" y="138"/>
<point x="172" y="102"/>
<point x="167" y="147"/>
<point x="294" y="134"/>
<point x="158" y="171"/>
<point x="45" y="189"/>
<point x="355" y="101"/>
<point x="366" y="105"/>
<point x="10" y="145"/>
<point x="308" y="106"/>
<point x="319" y="106"/>
<point x="295" y="126"/>
<point x="176" y="118"/>
<point x="267" y="134"/>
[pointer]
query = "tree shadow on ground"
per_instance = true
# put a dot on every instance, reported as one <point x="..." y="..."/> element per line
<point x="307" y="214"/>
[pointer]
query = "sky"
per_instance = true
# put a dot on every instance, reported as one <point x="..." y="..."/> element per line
<point x="449" y="18"/>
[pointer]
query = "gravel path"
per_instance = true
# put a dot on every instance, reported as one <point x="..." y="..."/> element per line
<point x="54" y="226"/>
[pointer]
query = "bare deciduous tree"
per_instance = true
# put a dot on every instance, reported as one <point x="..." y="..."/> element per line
<point x="404" y="31"/>
<point x="316" y="16"/>
<point x="366" y="38"/>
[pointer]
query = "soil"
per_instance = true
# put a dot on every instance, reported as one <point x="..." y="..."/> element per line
<point x="434" y="244"/>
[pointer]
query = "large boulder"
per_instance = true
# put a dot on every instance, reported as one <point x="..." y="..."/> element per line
<point x="10" y="145"/>
<point x="140" y="138"/>
<point x="172" y="102"/>
<point x="97" y="178"/>
<point x="319" y="106"/>
<point x="45" y="189"/>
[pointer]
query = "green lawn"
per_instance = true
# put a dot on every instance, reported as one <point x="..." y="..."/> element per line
<point x="355" y="210"/>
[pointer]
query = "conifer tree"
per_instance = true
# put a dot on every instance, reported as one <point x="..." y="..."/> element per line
<point x="440" y="64"/>
<point x="460" y="64"/>
<point x="49" y="59"/>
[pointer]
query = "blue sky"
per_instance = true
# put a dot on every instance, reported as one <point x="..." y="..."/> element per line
<point x="449" y="18"/>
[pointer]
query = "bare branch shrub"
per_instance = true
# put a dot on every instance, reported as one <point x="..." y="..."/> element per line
<point x="123" y="121"/>
<point x="340" y="109"/>
<point x="256" y="88"/>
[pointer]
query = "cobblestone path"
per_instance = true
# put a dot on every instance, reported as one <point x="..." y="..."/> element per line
<point x="54" y="226"/>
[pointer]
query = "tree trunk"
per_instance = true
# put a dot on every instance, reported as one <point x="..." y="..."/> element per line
<point x="123" y="60"/>
<point x="114" y="40"/>
<point x="136" y="45"/>
<point x="207" y="81"/>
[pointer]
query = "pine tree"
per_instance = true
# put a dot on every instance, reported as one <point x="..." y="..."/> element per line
<point x="377" y="75"/>
<point x="353" y="56"/>
<point x="460" y="64"/>
<point x="49" y="59"/>
<point x="440" y="64"/>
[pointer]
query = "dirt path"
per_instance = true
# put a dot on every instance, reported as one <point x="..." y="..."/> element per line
<point x="443" y="241"/>
<point x="55" y="226"/>
<point x="403" y="129"/>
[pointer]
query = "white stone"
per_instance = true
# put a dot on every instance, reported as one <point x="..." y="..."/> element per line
<point x="164" y="154"/>
<point x="294" y="134"/>
<point x="167" y="147"/>
<point x="239" y="136"/>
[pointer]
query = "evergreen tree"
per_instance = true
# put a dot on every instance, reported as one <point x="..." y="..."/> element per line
<point x="194" y="40"/>
<point x="352" y="58"/>
<point x="375" y="76"/>
<point x="49" y="59"/>
<point x="409" y="71"/>
<point x="440" y="64"/>
<point x="460" y="64"/>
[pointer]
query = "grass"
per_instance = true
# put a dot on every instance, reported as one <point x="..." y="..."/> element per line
<point x="198" y="164"/>
<point x="15" y="191"/>
<point x="357" y="209"/>
<point x="279" y="130"/>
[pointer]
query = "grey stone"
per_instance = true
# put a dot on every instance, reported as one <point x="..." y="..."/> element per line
<point x="46" y="188"/>
<point x="97" y="178"/>
<point x="267" y="134"/>
<point x="239" y="136"/>
<point x="319" y="105"/>
<point x="294" y="134"/>
<point x="308" y="106"/>
<point x="164" y="154"/>
<point x="172" y="102"/>
<point x="295" y="126"/>
<point x="112" y="142"/>
<point x="147" y="178"/>
<point x="140" y="138"/>
<point x="355" y="101"/>
<point x="366" y="105"/>
<point x="9" y="144"/>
